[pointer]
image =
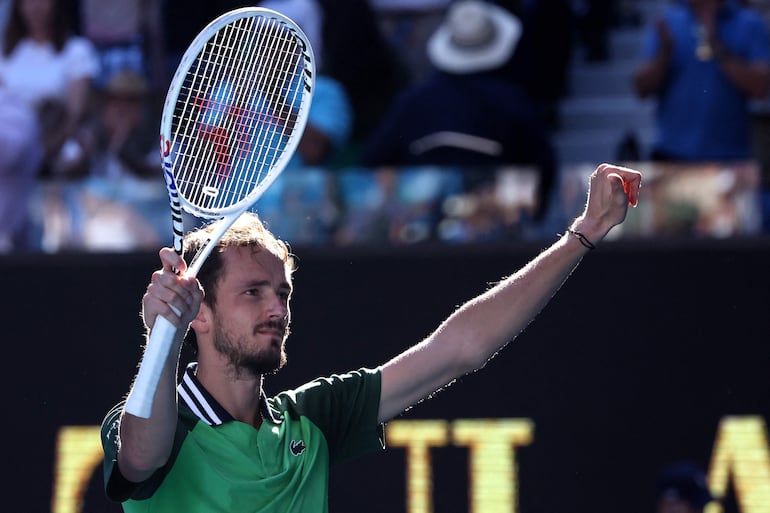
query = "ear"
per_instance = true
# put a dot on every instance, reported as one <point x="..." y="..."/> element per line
<point x="202" y="322"/>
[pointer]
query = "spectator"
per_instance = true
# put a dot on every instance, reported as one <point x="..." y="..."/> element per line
<point x="356" y="51"/>
<point x="127" y="35"/>
<point x="406" y="26"/>
<point x="51" y="70"/>
<point x="5" y="7"/>
<point x="181" y="20"/>
<point x="682" y="488"/>
<point x="594" y="21"/>
<point x="542" y="58"/>
<point x="703" y="61"/>
<point x="330" y="120"/>
<point x="469" y="112"/>
<point x="20" y="156"/>
<point x="761" y="131"/>
<point x="124" y="142"/>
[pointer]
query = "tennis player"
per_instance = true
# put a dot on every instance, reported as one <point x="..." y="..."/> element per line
<point x="216" y="443"/>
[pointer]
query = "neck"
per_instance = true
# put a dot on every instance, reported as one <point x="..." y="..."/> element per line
<point x="238" y="394"/>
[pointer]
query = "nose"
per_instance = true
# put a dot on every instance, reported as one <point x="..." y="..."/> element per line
<point x="279" y="308"/>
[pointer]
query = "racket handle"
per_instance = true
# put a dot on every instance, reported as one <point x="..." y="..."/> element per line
<point x="142" y="396"/>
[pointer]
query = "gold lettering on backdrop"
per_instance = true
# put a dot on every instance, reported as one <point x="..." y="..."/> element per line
<point x="493" y="470"/>
<point x="493" y="473"/>
<point x="78" y="452"/>
<point x="741" y="456"/>
<point x="417" y="436"/>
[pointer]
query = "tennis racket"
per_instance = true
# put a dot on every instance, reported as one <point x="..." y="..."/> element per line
<point x="234" y="113"/>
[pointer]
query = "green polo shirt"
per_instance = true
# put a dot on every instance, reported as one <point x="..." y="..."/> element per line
<point x="221" y="465"/>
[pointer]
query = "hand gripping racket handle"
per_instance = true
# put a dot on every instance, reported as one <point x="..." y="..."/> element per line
<point x="142" y="395"/>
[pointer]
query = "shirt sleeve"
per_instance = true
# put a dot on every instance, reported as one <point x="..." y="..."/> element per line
<point x="759" y="50"/>
<point x="345" y="407"/>
<point x="81" y="59"/>
<point x="116" y="487"/>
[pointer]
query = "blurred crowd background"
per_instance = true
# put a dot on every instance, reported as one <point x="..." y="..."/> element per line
<point x="433" y="121"/>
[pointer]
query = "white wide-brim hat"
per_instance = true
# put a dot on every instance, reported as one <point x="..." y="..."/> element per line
<point x="475" y="36"/>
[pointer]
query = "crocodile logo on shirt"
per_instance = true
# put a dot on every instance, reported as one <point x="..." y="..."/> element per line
<point x="297" y="448"/>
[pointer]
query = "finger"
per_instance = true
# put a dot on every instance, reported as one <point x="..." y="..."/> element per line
<point x="154" y="307"/>
<point x="194" y="292"/>
<point x="179" y="293"/>
<point x="174" y="310"/>
<point x="631" y="181"/>
<point x="172" y="261"/>
<point x="634" y="186"/>
<point x="167" y="290"/>
<point x="617" y="184"/>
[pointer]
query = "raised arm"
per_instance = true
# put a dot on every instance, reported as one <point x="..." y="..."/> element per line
<point x="751" y="77"/>
<point x="145" y="444"/>
<point x="478" y="329"/>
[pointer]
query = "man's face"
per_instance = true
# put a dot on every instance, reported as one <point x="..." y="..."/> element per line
<point x="251" y="316"/>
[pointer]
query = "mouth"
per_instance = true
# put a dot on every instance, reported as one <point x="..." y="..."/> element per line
<point x="272" y="329"/>
<point x="272" y="333"/>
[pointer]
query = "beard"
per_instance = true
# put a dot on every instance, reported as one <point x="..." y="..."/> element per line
<point x="241" y="358"/>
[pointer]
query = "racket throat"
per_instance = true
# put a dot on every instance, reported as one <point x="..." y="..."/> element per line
<point x="198" y="259"/>
<point x="216" y="234"/>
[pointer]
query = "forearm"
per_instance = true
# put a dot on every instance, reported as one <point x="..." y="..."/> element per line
<point x="78" y="94"/>
<point x="484" y="325"/>
<point x="649" y="77"/>
<point x="145" y="444"/>
<point x="752" y="79"/>
<point x="480" y="328"/>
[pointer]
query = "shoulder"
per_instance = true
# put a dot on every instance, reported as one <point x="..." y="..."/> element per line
<point x="751" y="19"/>
<point x="677" y="16"/>
<point x="339" y="388"/>
<point x="677" y="10"/>
<point x="325" y="384"/>
<point x="80" y="46"/>
<point x="81" y="57"/>
<point x="343" y="407"/>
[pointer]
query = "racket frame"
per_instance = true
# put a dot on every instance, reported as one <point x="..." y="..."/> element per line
<point x="141" y="397"/>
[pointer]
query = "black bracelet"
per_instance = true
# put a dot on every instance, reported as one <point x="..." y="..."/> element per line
<point x="582" y="238"/>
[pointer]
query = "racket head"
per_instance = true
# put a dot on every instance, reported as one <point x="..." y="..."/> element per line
<point x="235" y="110"/>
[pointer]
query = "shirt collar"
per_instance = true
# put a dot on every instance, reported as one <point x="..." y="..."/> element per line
<point x="202" y="403"/>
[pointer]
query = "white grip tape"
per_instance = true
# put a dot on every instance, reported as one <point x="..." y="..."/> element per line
<point x="142" y="396"/>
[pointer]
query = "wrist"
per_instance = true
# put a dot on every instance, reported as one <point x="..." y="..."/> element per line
<point x="582" y="239"/>
<point x="592" y="230"/>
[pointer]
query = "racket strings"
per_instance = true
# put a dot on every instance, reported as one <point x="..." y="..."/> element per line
<point x="276" y="117"/>
<point x="219" y="142"/>
<point x="236" y="111"/>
